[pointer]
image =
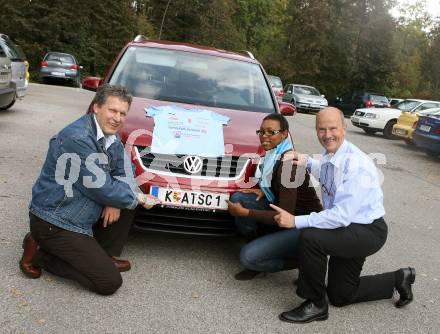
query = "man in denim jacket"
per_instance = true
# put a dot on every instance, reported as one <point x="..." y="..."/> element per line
<point x="78" y="213"/>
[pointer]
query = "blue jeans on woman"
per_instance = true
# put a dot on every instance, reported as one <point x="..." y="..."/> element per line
<point x="269" y="252"/>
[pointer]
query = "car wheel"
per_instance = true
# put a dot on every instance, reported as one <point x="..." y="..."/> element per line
<point x="76" y="83"/>
<point x="388" y="130"/>
<point x="9" y="105"/>
<point x="369" y="131"/>
<point x="432" y="154"/>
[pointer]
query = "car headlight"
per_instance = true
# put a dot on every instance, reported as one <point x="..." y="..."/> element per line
<point x="370" y="115"/>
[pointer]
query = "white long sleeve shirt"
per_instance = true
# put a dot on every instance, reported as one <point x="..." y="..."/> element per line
<point x="351" y="191"/>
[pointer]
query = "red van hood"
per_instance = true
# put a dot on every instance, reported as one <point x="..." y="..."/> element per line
<point x="239" y="133"/>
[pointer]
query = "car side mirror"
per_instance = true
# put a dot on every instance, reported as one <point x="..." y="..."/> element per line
<point x="289" y="91"/>
<point x="323" y="96"/>
<point x="91" y="83"/>
<point x="81" y="67"/>
<point x="287" y="109"/>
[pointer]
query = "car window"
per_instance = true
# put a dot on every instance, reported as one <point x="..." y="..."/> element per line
<point x="179" y="76"/>
<point x="427" y="105"/>
<point x="60" y="57"/>
<point x="407" y="105"/>
<point x="306" y="90"/>
<point x="10" y="49"/>
<point x="431" y="111"/>
<point x="379" y="98"/>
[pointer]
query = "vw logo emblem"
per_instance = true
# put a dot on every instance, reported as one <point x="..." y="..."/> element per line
<point x="192" y="164"/>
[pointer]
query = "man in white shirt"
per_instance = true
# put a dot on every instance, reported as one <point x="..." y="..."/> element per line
<point x="350" y="228"/>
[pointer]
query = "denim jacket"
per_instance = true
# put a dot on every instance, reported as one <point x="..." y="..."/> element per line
<point x="73" y="186"/>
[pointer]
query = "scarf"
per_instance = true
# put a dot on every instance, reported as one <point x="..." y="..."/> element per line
<point x="266" y="168"/>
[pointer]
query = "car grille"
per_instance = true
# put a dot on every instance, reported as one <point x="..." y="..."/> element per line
<point x="181" y="221"/>
<point x="230" y="167"/>
<point x="359" y="113"/>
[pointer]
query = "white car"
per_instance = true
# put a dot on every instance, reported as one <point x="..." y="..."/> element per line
<point x="305" y="98"/>
<point x="373" y="120"/>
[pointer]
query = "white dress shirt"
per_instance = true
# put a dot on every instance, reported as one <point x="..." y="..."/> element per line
<point x="99" y="134"/>
<point x="350" y="187"/>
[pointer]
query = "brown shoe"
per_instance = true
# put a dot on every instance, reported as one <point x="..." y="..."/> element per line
<point x="122" y="265"/>
<point x="30" y="248"/>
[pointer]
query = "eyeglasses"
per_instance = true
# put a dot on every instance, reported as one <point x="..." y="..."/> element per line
<point x="268" y="133"/>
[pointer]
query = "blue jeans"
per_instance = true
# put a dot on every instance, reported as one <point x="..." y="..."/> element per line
<point x="249" y="227"/>
<point x="270" y="252"/>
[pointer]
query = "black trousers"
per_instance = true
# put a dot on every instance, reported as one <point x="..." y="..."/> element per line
<point x="80" y="257"/>
<point x="347" y="248"/>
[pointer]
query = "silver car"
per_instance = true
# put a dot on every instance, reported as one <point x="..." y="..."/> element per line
<point x="60" y="67"/>
<point x="305" y="98"/>
<point x="18" y="66"/>
<point x="277" y="86"/>
<point x="7" y="87"/>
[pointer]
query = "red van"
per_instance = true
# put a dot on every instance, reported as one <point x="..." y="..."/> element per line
<point x="178" y="76"/>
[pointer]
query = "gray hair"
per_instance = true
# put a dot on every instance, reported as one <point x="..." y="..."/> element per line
<point x="104" y="91"/>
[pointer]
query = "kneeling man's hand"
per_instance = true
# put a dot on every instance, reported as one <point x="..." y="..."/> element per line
<point x="147" y="201"/>
<point x="110" y="215"/>
<point x="283" y="218"/>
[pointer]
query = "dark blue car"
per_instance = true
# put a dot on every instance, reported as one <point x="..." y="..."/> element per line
<point x="427" y="132"/>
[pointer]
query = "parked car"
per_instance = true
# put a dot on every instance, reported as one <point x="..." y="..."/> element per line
<point x="305" y="98"/>
<point x="58" y="66"/>
<point x="373" y="120"/>
<point x="427" y="133"/>
<point x="277" y="86"/>
<point x="394" y="101"/>
<point x="406" y="122"/>
<point x="175" y="78"/>
<point x="349" y="102"/>
<point x="18" y="65"/>
<point x="7" y="87"/>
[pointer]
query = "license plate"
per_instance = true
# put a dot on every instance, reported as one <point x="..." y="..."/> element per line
<point x="315" y="105"/>
<point x="400" y="132"/>
<point x="192" y="199"/>
<point x="425" y="128"/>
<point x="60" y="74"/>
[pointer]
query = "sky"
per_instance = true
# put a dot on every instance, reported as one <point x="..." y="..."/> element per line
<point x="432" y="6"/>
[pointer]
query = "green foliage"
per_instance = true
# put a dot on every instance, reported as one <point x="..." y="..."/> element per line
<point x="336" y="45"/>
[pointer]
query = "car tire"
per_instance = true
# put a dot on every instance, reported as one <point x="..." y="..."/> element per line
<point x="432" y="154"/>
<point x="76" y="83"/>
<point x="369" y="131"/>
<point x="388" y="130"/>
<point x="9" y="105"/>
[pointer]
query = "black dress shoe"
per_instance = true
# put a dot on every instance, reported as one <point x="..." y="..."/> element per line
<point x="306" y="312"/>
<point x="404" y="289"/>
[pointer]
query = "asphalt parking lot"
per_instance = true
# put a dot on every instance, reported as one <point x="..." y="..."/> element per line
<point x="183" y="284"/>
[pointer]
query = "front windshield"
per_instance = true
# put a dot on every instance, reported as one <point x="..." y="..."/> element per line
<point x="407" y="105"/>
<point x="306" y="90"/>
<point x="186" y="77"/>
